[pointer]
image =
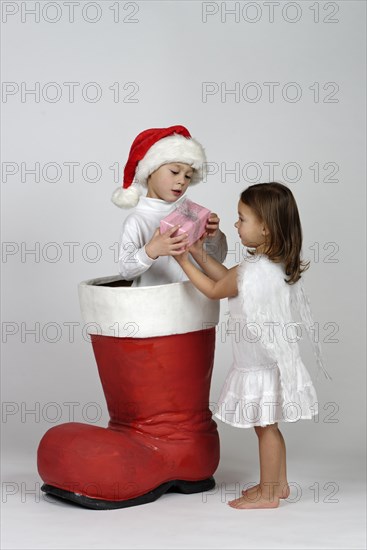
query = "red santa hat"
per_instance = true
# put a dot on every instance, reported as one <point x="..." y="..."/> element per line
<point x="149" y="151"/>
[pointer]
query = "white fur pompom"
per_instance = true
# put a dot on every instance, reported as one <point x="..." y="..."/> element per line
<point x="126" y="198"/>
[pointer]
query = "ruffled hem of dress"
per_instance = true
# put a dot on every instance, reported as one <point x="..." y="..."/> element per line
<point x="262" y="424"/>
<point x="249" y="400"/>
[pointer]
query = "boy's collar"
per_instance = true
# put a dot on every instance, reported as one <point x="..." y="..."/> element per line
<point x="164" y="205"/>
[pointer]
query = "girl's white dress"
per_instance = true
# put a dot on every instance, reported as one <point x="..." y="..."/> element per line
<point x="268" y="381"/>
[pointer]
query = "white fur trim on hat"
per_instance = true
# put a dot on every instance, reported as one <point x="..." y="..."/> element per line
<point x="175" y="148"/>
<point x="126" y="198"/>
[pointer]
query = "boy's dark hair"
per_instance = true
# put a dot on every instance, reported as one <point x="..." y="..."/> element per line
<point x="274" y="204"/>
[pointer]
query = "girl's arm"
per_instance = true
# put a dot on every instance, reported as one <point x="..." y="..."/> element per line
<point x="226" y="287"/>
<point x="208" y="264"/>
<point x="215" y="242"/>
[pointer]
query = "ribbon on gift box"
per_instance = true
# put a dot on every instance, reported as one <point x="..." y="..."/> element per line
<point x="189" y="209"/>
<point x="191" y="216"/>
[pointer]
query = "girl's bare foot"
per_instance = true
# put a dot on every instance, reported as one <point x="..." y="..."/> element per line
<point x="245" y="503"/>
<point x="279" y="491"/>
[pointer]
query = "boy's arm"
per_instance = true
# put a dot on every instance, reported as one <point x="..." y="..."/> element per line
<point x="137" y="256"/>
<point x="163" y="244"/>
<point x="226" y="287"/>
<point x="133" y="259"/>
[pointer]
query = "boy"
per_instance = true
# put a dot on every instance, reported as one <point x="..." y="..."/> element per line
<point x="165" y="161"/>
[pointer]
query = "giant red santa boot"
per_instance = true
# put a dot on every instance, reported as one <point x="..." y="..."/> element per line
<point x="154" y="348"/>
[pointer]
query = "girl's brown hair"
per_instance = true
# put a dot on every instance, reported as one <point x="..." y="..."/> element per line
<point x="274" y="205"/>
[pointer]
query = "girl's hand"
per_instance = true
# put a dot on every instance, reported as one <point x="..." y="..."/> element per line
<point x="162" y="244"/>
<point x="197" y="246"/>
<point x="212" y="226"/>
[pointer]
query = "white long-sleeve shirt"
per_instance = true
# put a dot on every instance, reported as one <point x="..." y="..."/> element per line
<point x="138" y="229"/>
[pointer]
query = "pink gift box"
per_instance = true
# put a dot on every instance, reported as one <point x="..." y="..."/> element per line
<point x="191" y="216"/>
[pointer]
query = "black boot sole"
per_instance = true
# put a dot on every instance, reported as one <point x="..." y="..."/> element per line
<point x="176" y="486"/>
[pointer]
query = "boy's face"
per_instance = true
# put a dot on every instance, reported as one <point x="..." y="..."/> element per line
<point x="169" y="182"/>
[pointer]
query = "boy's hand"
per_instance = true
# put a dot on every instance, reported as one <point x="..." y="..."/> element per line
<point x="162" y="244"/>
<point x="212" y="225"/>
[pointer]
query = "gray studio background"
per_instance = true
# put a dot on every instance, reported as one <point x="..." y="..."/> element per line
<point x="273" y="90"/>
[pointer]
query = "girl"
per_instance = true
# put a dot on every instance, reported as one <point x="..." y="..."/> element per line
<point x="268" y="382"/>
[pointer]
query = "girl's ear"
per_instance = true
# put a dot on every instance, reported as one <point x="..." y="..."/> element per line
<point x="265" y="231"/>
